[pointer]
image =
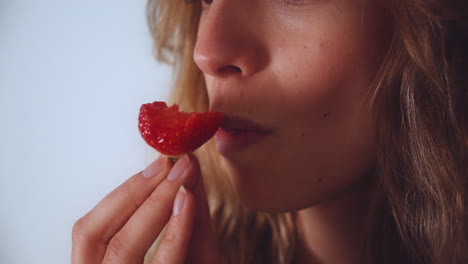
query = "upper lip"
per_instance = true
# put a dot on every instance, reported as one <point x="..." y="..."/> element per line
<point x="237" y="124"/>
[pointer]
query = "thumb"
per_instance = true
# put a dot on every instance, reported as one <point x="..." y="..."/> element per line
<point x="203" y="246"/>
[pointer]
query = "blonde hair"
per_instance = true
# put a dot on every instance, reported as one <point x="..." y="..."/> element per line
<point x="419" y="212"/>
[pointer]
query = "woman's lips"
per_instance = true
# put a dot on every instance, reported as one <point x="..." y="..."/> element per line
<point x="236" y="133"/>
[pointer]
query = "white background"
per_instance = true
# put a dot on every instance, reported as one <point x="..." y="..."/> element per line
<point x="73" y="75"/>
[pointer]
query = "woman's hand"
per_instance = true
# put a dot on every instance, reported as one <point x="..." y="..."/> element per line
<point x="123" y="226"/>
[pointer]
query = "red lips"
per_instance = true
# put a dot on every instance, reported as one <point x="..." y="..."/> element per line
<point x="236" y="134"/>
<point x="173" y="133"/>
<point x="234" y="124"/>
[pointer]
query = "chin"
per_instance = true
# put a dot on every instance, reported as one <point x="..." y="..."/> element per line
<point x="259" y="204"/>
<point x="247" y="188"/>
<point x="258" y="195"/>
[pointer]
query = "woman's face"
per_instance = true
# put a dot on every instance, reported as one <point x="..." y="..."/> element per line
<point x="291" y="77"/>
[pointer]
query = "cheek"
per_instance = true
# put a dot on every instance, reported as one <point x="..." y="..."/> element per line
<point x="325" y="77"/>
<point x="324" y="144"/>
<point x="325" y="94"/>
<point x="323" y="69"/>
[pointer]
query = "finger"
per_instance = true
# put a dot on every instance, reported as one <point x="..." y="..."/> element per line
<point x="92" y="232"/>
<point x="173" y="247"/>
<point x="203" y="247"/>
<point x="132" y="242"/>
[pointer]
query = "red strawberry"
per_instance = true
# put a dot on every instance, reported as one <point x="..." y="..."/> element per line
<point x="174" y="133"/>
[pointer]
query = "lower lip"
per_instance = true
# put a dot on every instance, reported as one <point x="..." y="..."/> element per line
<point x="228" y="142"/>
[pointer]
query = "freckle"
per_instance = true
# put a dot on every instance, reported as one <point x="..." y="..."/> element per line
<point x="320" y="179"/>
<point x="303" y="134"/>
<point x="325" y="115"/>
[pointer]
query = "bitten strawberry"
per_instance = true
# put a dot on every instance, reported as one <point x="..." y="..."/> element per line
<point x="174" y="133"/>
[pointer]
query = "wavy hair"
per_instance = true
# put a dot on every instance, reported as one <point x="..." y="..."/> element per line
<point x="419" y="213"/>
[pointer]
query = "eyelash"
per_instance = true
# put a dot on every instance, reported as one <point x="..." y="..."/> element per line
<point x="207" y="3"/>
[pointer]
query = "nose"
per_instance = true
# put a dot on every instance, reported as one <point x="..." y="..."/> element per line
<point x="228" y="41"/>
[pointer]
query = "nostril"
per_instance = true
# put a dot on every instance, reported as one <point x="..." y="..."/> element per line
<point x="229" y="69"/>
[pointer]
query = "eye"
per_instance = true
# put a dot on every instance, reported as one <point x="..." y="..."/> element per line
<point x="206" y="3"/>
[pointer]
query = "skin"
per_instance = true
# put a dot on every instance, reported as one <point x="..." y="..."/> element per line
<point x="299" y="68"/>
<point x="302" y="71"/>
<point x="122" y="227"/>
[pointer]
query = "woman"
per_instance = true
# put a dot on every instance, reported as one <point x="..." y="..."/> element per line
<point x="344" y="138"/>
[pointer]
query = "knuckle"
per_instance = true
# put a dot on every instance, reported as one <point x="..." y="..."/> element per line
<point x="170" y="236"/>
<point x="77" y="229"/>
<point x="126" y="192"/>
<point x="160" y="259"/>
<point x="79" y="232"/>
<point x="116" y="250"/>
<point x="158" y="199"/>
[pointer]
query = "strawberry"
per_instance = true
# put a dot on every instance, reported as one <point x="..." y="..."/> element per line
<point x="174" y="133"/>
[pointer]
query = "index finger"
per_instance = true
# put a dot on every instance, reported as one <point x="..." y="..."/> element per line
<point x="94" y="231"/>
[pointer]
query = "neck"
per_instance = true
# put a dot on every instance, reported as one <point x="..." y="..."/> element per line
<point x="334" y="231"/>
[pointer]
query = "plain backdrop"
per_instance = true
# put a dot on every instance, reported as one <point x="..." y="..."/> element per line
<point x="73" y="75"/>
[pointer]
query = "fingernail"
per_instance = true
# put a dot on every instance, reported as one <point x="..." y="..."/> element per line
<point x="179" y="201"/>
<point x="154" y="168"/>
<point x="178" y="168"/>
